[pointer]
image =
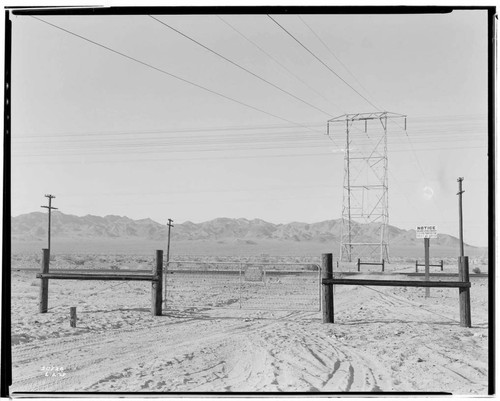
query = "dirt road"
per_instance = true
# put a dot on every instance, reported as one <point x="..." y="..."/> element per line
<point x="384" y="339"/>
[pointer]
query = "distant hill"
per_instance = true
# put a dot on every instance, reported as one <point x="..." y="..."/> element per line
<point x="33" y="227"/>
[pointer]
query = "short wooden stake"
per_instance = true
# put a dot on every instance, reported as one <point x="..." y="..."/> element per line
<point x="72" y="316"/>
<point x="441" y="265"/>
<point x="44" y="284"/>
<point x="327" y="296"/>
<point x="383" y="265"/>
<point x="359" y="264"/>
<point x="464" y="293"/>
<point x="157" y="285"/>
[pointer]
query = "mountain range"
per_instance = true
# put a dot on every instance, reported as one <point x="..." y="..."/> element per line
<point x="33" y="227"/>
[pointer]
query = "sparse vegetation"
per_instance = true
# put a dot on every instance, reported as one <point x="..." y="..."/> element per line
<point x="476" y="270"/>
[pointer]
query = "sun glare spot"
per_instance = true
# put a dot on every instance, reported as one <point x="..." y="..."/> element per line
<point x="428" y="192"/>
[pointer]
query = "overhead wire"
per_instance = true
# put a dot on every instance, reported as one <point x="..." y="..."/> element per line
<point x="322" y="62"/>
<point x="170" y="74"/>
<point x="278" y="138"/>
<point x="153" y="67"/>
<point x="173" y="131"/>
<point x="277" y="61"/>
<point x="74" y="151"/>
<point x="106" y="159"/>
<point x="445" y="131"/>
<point x="368" y="140"/>
<point x="347" y="69"/>
<point x="205" y="141"/>
<point x="332" y="53"/>
<point x="240" y="66"/>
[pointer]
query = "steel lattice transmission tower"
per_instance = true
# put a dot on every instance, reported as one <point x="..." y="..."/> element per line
<point x="365" y="205"/>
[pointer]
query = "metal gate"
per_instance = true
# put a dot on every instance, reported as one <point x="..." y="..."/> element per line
<point x="252" y="285"/>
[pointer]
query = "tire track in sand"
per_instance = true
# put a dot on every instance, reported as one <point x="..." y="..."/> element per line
<point x="87" y="362"/>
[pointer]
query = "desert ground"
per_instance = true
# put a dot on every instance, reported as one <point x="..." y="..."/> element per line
<point x="212" y="338"/>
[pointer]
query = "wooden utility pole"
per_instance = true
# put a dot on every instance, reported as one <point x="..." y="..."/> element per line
<point x="463" y="265"/>
<point x="50" y="209"/>
<point x="460" y="221"/>
<point x="170" y="221"/>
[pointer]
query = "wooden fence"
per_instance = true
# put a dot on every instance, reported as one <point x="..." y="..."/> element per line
<point x="463" y="285"/>
<point x="371" y="263"/>
<point x="423" y="265"/>
<point x="155" y="278"/>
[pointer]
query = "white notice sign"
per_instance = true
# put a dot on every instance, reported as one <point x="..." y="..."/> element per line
<point x="426" y="231"/>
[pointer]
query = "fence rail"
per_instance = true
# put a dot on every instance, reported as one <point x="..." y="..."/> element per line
<point x="155" y="278"/>
<point x="371" y="264"/>
<point x="463" y="285"/>
<point x="98" y="276"/>
<point x="423" y="265"/>
<point x="396" y="283"/>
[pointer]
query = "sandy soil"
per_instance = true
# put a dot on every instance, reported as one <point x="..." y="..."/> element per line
<point x="383" y="339"/>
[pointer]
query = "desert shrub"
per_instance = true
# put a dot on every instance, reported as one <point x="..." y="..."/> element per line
<point x="476" y="270"/>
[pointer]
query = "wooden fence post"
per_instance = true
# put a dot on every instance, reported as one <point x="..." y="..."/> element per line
<point x="327" y="299"/>
<point x="44" y="282"/>
<point x="72" y="316"/>
<point x="464" y="293"/>
<point x="416" y="266"/>
<point x="383" y="264"/>
<point x="359" y="264"/>
<point x="157" y="285"/>
<point x="441" y="265"/>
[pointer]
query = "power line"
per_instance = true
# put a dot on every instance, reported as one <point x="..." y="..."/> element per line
<point x="171" y="75"/>
<point x="275" y="60"/>
<point x="276" y="138"/>
<point x="196" y="143"/>
<point x="239" y="66"/>
<point x="323" y="63"/>
<point x="444" y="134"/>
<point x="332" y="53"/>
<point x="176" y="131"/>
<point x="107" y="159"/>
<point x="449" y="124"/>
<point x="155" y="149"/>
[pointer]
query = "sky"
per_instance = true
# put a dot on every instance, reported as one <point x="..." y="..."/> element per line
<point x="194" y="117"/>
